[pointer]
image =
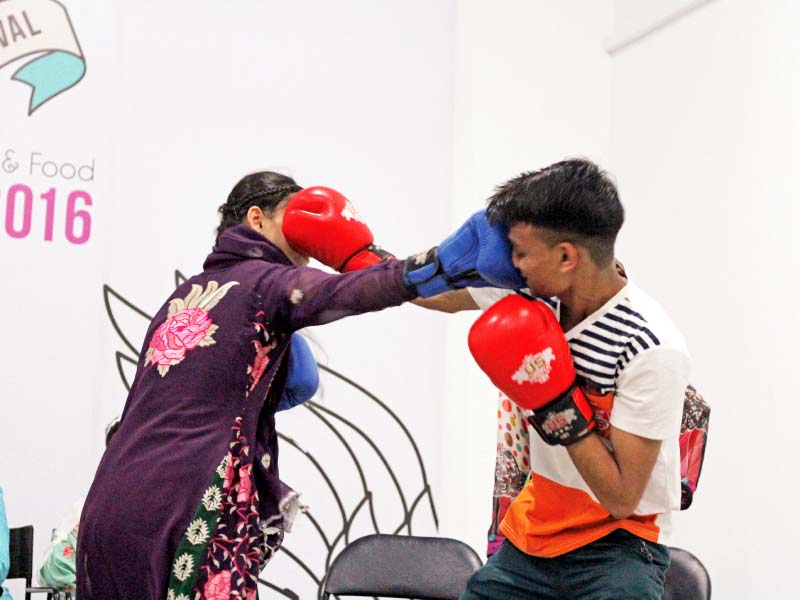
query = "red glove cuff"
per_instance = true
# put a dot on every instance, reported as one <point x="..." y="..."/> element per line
<point x="366" y="257"/>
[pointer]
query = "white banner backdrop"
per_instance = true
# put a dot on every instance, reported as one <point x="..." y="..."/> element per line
<point x="116" y="147"/>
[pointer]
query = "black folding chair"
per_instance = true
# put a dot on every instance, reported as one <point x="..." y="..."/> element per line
<point x="687" y="578"/>
<point x="401" y="566"/>
<point x="21" y="552"/>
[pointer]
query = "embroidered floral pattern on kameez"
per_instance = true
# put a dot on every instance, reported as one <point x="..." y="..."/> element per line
<point x="187" y="326"/>
<point x="263" y="344"/>
<point x="232" y="556"/>
<point x="226" y="563"/>
<point x="188" y="557"/>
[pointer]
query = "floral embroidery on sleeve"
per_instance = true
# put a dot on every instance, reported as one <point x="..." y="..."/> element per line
<point x="187" y="326"/>
<point x="263" y="347"/>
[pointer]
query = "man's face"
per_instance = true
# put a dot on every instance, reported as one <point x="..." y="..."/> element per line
<point x="537" y="261"/>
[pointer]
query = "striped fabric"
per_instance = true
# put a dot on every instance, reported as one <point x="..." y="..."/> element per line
<point x="603" y="349"/>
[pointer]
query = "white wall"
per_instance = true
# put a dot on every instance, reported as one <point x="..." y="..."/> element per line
<point x="635" y="20"/>
<point x="417" y="110"/>
<point x="179" y="100"/>
<point x="704" y="144"/>
<point x="697" y="121"/>
<point x="532" y="86"/>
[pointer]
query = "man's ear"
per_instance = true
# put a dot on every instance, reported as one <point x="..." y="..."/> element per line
<point x="569" y="258"/>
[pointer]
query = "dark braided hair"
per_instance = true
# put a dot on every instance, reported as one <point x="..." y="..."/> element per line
<point x="264" y="189"/>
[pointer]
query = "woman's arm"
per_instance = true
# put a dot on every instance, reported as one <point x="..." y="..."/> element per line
<point x="449" y="302"/>
<point x="300" y="297"/>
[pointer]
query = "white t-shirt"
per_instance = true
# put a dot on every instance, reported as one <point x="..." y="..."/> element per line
<point x="484" y="297"/>
<point x="630" y="353"/>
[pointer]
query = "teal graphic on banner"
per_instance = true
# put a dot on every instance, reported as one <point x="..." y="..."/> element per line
<point x="41" y="31"/>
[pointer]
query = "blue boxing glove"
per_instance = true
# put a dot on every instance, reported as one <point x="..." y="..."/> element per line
<point x="303" y="379"/>
<point x="476" y="255"/>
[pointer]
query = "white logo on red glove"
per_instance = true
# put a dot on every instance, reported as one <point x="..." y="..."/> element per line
<point x="350" y="213"/>
<point x="535" y="368"/>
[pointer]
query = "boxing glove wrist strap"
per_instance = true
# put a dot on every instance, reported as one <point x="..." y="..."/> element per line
<point x="424" y="273"/>
<point x="364" y="257"/>
<point x="566" y="419"/>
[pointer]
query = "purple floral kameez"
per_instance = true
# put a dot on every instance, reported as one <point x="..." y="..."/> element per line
<point x="186" y="502"/>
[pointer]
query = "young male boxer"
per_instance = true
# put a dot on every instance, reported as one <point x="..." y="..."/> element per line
<point x="600" y="371"/>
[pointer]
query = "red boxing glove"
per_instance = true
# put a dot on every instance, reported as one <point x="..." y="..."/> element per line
<point x="322" y="223"/>
<point x="519" y="344"/>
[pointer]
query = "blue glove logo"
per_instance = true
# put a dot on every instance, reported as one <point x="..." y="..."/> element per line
<point x="42" y="31"/>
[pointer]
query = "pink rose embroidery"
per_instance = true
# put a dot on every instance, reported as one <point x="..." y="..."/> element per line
<point x="245" y="484"/>
<point x="181" y="332"/>
<point x="187" y="326"/>
<point x="259" y="363"/>
<point x="68" y="551"/>
<point x="261" y="359"/>
<point x="218" y="587"/>
<point x="229" y="472"/>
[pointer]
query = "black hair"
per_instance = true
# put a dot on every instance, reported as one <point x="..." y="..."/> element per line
<point x="111" y="428"/>
<point x="574" y="199"/>
<point x="264" y="189"/>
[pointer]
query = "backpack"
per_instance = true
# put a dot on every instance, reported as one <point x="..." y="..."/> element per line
<point x="692" y="441"/>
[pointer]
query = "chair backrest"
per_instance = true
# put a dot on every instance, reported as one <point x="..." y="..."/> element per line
<point x="687" y="578"/>
<point x="21" y="553"/>
<point x="401" y="566"/>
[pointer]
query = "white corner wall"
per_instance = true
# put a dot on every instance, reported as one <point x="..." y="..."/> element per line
<point x="705" y="135"/>
<point x="697" y="121"/>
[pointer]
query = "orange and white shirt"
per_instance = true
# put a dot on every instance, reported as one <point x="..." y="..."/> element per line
<point x="633" y="365"/>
